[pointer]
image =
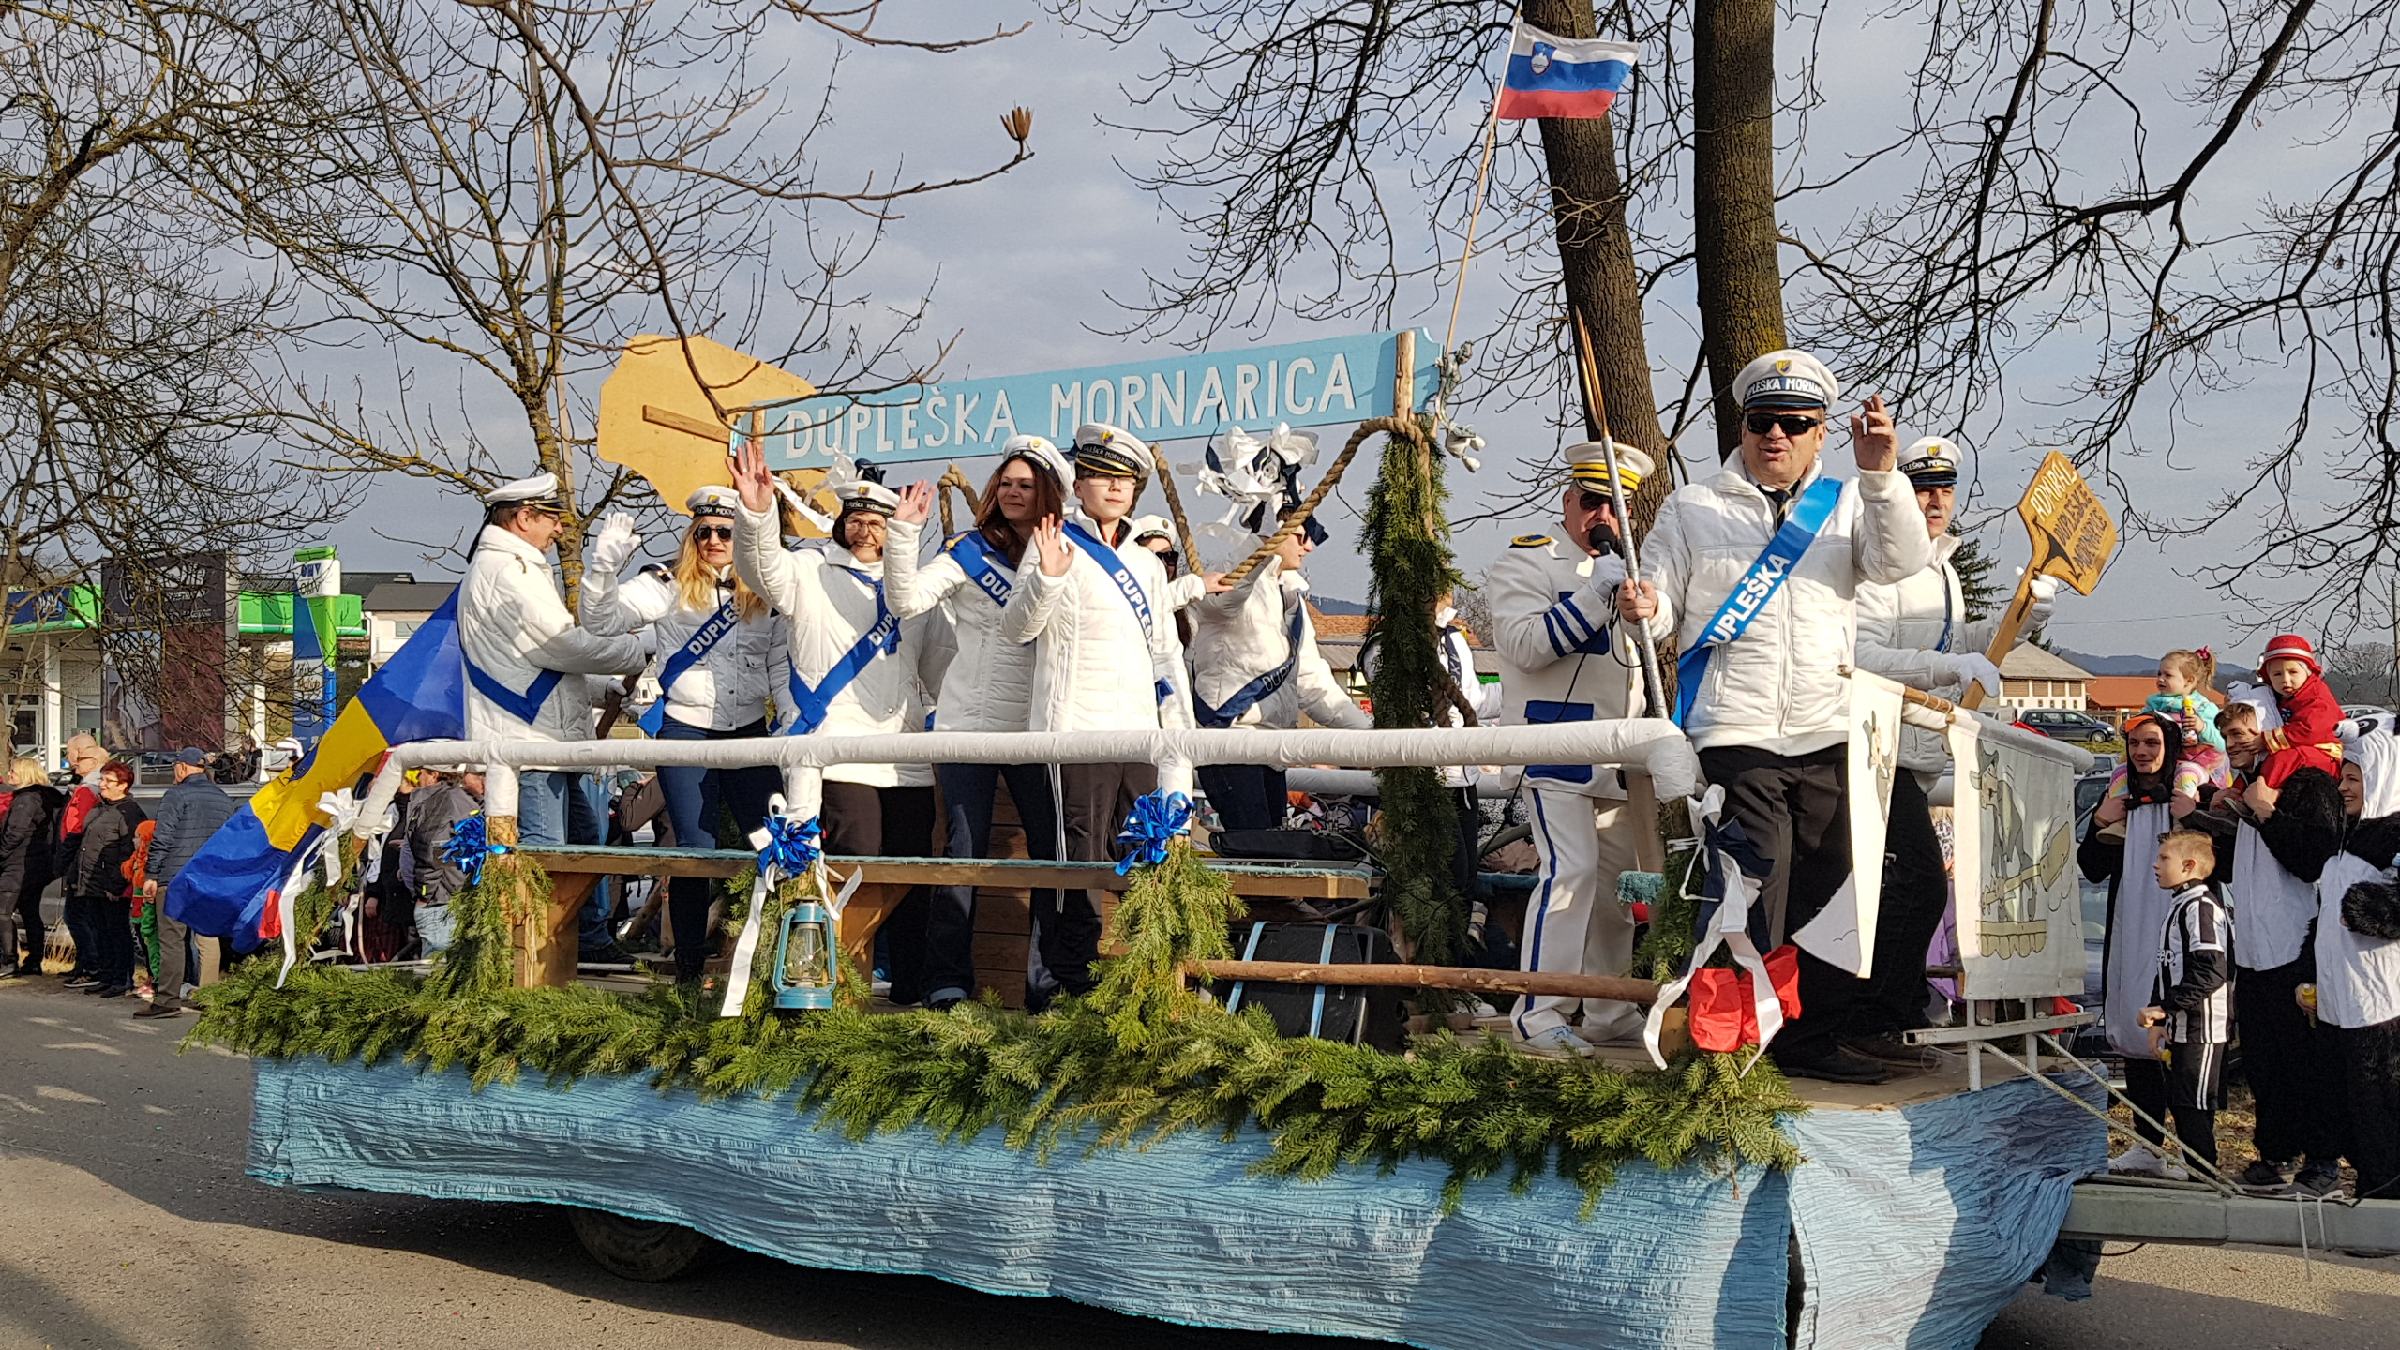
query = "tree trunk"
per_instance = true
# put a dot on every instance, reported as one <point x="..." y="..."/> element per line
<point x="1733" y="195"/>
<point x="1595" y="254"/>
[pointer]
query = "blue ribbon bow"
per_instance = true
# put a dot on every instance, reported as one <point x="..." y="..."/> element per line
<point x="792" y="845"/>
<point x="468" y="847"/>
<point x="1158" y="818"/>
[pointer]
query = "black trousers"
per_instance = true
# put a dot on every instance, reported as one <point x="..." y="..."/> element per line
<point x="968" y="794"/>
<point x="30" y="930"/>
<point x="84" y="928"/>
<point x="2294" y="1067"/>
<point x="1795" y="809"/>
<point x="2371" y="1078"/>
<point x="889" y="822"/>
<point x="1093" y="802"/>
<point x="1247" y="796"/>
<point x="112" y="929"/>
<point x="1915" y="892"/>
<point x="2184" y="1091"/>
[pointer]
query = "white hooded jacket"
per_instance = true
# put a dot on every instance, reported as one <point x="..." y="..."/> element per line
<point x="515" y="632"/>
<point x="826" y="607"/>
<point x="1094" y="666"/>
<point x="1779" y="686"/>
<point x="728" y="687"/>
<point x="1243" y="634"/>
<point x="988" y="685"/>
<point x="1909" y="630"/>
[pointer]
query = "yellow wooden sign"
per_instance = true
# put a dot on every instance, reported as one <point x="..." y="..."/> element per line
<point x="2073" y="538"/>
<point x="656" y="418"/>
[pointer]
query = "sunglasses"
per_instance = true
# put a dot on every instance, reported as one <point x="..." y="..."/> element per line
<point x="704" y="533"/>
<point x="1597" y="501"/>
<point x="1793" y="425"/>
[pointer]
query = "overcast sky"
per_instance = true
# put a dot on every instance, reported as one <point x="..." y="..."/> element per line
<point x="1025" y="262"/>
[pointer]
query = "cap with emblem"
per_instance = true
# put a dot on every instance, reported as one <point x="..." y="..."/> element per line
<point x="539" y="492"/>
<point x="1150" y="527"/>
<point x="1786" y="379"/>
<point x="1111" y="451"/>
<point x="1042" y="451"/>
<point x="713" y="501"/>
<point x="1587" y="466"/>
<point x="864" y="495"/>
<point x="1930" y="463"/>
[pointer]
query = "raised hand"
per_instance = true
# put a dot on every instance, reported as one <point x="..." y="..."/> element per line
<point x="1874" y="438"/>
<point x="1050" y="542"/>
<point x="916" y="503"/>
<point x="1637" y="601"/>
<point x="750" y="477"/>
<point x="615" y="544"/>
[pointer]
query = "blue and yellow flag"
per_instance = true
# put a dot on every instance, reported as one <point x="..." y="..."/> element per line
<point x="419" y="695"/>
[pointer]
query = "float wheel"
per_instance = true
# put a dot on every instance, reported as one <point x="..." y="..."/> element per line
<point x="637" y="1249"/>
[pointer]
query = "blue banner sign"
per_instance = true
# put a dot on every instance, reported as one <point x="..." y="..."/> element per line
<point x="1177" y="397"/>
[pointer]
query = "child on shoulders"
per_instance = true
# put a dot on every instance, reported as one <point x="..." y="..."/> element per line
<point x="2310" y="737"/>
<point x="2184" y="679"/>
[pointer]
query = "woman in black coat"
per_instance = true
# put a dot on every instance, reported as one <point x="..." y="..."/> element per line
<point x="26" y="833"/>
<point x="97" y="880"/>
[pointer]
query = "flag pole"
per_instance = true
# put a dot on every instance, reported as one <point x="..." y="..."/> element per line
<point x="1654" y="688"/>
<point x="1483" y="174"/>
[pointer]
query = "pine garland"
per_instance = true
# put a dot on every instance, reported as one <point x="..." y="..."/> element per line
<point x="1408" y="550"/>
<point x="1173" y="914"/>
<point x="1668" y="943"/>
<point x="508" y="892"/>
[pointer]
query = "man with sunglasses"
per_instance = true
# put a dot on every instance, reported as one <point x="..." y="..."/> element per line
<point x="1561" y="660"/>
<point x="525" y="656"/>
<point x="1755" y="573"/>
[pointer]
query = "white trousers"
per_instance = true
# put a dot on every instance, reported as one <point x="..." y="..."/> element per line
<point x="1574" y="922"/>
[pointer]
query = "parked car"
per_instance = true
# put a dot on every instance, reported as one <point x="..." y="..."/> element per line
<point x="2370" y="717"/>
<point x="2061" y="725"/>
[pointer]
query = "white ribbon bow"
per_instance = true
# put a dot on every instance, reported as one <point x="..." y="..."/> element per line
<point x="745" y="948"/>
<point x="1731" y="930"/>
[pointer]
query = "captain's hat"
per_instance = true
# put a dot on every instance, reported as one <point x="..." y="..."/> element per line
<point x="1111" y="451"/>
<point x="866" y="495"/>
<point x="1786" y="379"/>
<point x="713" y="500"/>
<point x="539" y="492"/>
<point x="1930" y="463"/>
<point x="1587" y="466"/>
<point x="1042" y="451"/>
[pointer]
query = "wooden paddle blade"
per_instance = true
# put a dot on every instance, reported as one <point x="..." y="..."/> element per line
<point x="2073" y="537"/>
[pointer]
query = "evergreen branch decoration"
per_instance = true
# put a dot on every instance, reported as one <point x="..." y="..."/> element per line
<point x="511" y="891"/>
<point x="1667" y="945"/>
<point x="1407" y="539"/>
<point x="1175" y="913"/>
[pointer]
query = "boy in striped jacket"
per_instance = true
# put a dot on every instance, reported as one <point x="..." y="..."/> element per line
<point x="2191" y="1003"/>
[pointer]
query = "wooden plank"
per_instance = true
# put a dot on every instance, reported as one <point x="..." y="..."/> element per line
<point x="1009" y="912"/>
<point x="1248" y="879"/>
<point x="1002" y="951"/>
<point x="545" y="943"/>
<point x="692" y="426"/>
<point x="1433" y="977"/>
<point x="1008" y="983"/>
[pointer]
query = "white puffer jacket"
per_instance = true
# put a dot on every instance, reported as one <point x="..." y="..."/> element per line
<point x="1779" y="686"/>
<point x="514" y="629"/>
<point x="825" y="609"/>
<point x="989" y="683"/>
<point x="1909" y="631"/>
<point x="1561" y="659"/>
<point x="1094" y="668"/>
<point x="727" y="688"/>
<point x="1242" y="634"/>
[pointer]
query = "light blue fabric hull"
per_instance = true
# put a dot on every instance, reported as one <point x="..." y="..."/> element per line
<point x="1182" y="1232"/>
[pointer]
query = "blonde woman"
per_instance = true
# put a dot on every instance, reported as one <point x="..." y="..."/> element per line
<point x="710" y="637"/>
<point x="25" y="835"/>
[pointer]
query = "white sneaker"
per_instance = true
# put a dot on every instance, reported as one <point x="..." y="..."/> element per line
<point x="2173" y="1171"/>
<point x="1558" y="1043"/>
<point x="2139" y="1161"/>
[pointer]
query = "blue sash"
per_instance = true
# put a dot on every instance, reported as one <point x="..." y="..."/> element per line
<point x="1248" y="696"/>
<point x="705" y="637"/>
<point x="1131" y="589"/>
<point x="524" y="707"/>
<point x="974" y="556"/>
<point x="809" y="705"/>
<point x="1766" y="576"/>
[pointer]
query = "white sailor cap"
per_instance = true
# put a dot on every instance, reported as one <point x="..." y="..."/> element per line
<point x="1143" y="527"/>
<point x="866" y="495"/>
<point x="713" y="500"/>
<point x="1786" y="379"/>
<point x="1930" y="462"/>
<point x="1044" y="452"/>
<point x="1587" y="466"/>
<point x="539" y="492"/>
<point x="1112" y="451"/>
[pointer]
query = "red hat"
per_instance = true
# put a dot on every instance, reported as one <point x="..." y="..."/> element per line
<point x="2296" y="648"/>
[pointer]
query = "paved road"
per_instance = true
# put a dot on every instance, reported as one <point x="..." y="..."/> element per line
<point x="129" y="1223"/>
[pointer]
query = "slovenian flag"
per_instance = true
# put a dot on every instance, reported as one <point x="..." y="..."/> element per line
<point x="418" y="695"/>
<point x="1550" y="76"/>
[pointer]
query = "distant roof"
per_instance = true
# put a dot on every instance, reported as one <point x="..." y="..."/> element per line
<point x="409" y="597"/>
<point x="1342" y="655"/>
<point x="2028" y="662"/>
<point x="364" y="583"/>
<point x="2130" y="691"/>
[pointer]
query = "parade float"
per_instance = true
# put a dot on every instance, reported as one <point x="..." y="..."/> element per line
<point x="1149" y="1147"/>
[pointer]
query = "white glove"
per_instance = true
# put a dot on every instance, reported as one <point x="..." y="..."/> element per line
<point x="2045" y="599"/>
<point x="615" y="545"/>
<point x="1972" y="668"/>
<point x="1608" y="573"/>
